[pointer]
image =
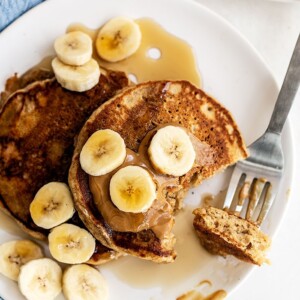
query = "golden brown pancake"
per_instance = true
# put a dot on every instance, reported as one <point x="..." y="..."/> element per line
<point x="226" y="234"/>
<point x="15" y="82"/>
<point x="133" y="114"/>
<point x="37" y="129"/>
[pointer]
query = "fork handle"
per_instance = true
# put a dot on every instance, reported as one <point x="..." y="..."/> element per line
<point x="287" y="92"/>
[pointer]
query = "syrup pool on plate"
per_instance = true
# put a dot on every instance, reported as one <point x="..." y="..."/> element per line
<point x="161" y="55"/>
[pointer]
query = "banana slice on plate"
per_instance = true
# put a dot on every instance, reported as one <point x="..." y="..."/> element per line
<point x="74" y="48"/>
<point x="132" y="189"/>
<point x="40" y="279"/>
<point x="119" y="38"/>
<point x="171" y="151"/>
<point x="103" y="152"/>
<point x="71" y="244"/>
<point x="52" y="205"/>
<point x="76" y="78"/>
<point x="81" y="282"/>
<point x="14" y="254"/>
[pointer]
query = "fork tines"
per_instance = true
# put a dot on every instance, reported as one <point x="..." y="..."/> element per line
<point x="250" y="196"/>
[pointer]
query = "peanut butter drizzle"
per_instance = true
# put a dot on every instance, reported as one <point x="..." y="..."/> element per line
<point x="255" y="192"/>
<point x="254" y="196"/>
<point x="176" y="60"/>
<point x="159" y="217"/>
<point x="195" y="295"/>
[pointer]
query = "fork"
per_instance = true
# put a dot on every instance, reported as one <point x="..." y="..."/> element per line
<point x="255" y="181"/>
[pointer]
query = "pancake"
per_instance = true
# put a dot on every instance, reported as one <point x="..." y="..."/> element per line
<point x="38" y="125"/>
<point x="38" y="73"/>
<point x="226" y="234"/>
<point x="135" y="113"/>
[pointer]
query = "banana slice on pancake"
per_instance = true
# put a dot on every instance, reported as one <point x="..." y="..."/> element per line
<point x="119" y="38"/>
<point x="171" y="151"/>
<point x="14" y="254"/>
<point x="76" y="78"/>
<point x="52" y="205"/>
<point x="132" y="189"/>
<point x="71" y="244"/>
<point x="74" y="48"/>
<point x="81" y="282"/>
<point x="103" y="152"/>
<point x="40" y="279"/>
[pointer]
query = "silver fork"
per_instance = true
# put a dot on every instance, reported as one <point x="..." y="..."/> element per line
<point x="255" y="180"/>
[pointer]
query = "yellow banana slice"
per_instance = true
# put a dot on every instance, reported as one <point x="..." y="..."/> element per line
<point x="76" y="78"/>
<point x="74" y="48"/>
<point x="103" y="152"/>
<point x="14" y="254"/>
<point x="81" y="282"/>
<point x="52" y="205"/>
<point x="71" y="244"/>
<point x="40" y="279"/>
<point x="119" y="38"/>
<point x="171" y="151"/>
<point x="132" y="189"/>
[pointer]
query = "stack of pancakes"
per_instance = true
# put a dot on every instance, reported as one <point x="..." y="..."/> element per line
<point x="43" y="128"/>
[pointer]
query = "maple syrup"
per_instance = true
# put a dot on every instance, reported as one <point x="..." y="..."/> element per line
<point x="161" y="55"/>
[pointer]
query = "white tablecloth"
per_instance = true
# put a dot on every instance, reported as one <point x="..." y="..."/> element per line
<point x="272" y="27"/>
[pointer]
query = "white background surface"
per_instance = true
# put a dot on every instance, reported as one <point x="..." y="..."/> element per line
<point x="272" y="27"/>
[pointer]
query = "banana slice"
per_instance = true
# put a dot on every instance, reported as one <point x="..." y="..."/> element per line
<point x="40" y="279"/>
<point x="76" y="78"/>
<point x="81" y="282"/>
<point x="14" y="254"/>
<point x="103" y="152"/>
<point x="119" y="38"/>
<point x="132" y="189"/>
<point x="171" y="151"/>
<point x="52" y="205"/>
<point x="74" y="48"/>
<point x="71" y="244"/>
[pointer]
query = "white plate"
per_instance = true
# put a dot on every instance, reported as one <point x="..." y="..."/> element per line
<point x="231" y="71"/>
